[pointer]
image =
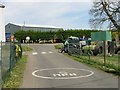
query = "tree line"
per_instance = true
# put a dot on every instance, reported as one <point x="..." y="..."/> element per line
<point x="51" y="35"/>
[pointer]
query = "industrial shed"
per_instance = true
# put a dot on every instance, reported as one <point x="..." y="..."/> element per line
<point x="12" y="28"/>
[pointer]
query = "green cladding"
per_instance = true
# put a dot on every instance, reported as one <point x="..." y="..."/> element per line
<point x="101" y="36"/>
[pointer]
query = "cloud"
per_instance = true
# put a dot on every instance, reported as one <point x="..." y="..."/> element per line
<point x="48" y="0"/>
<point x="61" y="14"/>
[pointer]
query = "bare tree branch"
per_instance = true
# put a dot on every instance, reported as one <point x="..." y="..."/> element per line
<point x="105" y="11"/>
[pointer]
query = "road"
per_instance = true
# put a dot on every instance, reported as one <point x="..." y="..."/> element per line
<point x="47" y="68"/>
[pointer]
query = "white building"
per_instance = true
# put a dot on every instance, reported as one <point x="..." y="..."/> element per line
<point x="2" y="23"/>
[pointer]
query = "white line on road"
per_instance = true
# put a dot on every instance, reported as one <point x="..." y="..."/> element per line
<point x="43" y="52"/>
<point x="34" y="53"/>
<point x="50" y="52"/>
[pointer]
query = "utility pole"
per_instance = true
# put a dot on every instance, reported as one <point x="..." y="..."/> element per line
<point x="2" y="23"/>
<point x="2" y="38"/>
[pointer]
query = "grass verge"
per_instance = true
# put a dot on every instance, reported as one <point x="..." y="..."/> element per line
<point x="26" y="48"/>
<point x="58" y="46"/>
<point x="16" y="74"/>
<point x="108" y="68"/>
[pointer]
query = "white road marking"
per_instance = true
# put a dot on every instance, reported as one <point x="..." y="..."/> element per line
<point x="43" y="52"/>
<point x="68" y="77"/>
<point x="59" y="75"/>
<point x="34" y="53"/>
<point x="63" y="75"/>
<point x="54" y="75"/>
<point x="72" y="74"/>
<point x="50" y="52"/>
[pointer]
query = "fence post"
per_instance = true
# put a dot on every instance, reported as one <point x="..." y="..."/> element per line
<point x="104" y="52"/>
<point x="89" y="53"/>
<point x="11" y="57"/>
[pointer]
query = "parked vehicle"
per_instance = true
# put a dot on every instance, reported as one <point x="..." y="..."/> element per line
<point x="71" y="45"/>
<point x="98" y="48"/>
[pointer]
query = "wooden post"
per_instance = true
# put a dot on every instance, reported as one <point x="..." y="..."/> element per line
<point x="105" y="50"/>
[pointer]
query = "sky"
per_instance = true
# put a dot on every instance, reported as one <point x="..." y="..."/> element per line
<point x="67" y="14"/>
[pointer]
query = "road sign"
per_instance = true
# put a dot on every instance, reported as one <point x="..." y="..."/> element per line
<point x="101" y="36"/>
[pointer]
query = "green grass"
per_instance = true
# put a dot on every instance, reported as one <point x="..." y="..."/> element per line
<point x="16" y="74"/>
<point x="58" y="46"/>
<point x="112" y="65"/>
<point x="26" y="48"/>
<point x="110" y="68"/>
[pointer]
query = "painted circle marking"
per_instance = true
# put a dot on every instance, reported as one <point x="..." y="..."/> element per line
<point x="54" y="75"/>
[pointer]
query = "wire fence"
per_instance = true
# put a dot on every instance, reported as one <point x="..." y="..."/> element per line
<point x="110" y="63"/>
<point x="10" y="53"/>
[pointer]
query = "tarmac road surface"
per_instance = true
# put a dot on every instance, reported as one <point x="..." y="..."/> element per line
<point x="47" y="68"/>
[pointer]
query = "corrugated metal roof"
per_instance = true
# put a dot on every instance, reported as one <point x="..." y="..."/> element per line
<point x="32" y="25"/>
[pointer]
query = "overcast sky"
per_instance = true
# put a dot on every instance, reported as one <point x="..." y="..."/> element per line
<point x="68" y="14"/>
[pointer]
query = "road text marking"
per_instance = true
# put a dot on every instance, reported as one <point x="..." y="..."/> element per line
<point x="63" y="75"/>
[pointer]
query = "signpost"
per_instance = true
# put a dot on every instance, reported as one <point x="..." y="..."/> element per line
<point x="102" y="36"/>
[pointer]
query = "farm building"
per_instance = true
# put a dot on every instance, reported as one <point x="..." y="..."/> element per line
<point x="11" y="28"/>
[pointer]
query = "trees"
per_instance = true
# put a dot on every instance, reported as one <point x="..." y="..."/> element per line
<point x="105" y="10"/>
<point x="50" y="35"/>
